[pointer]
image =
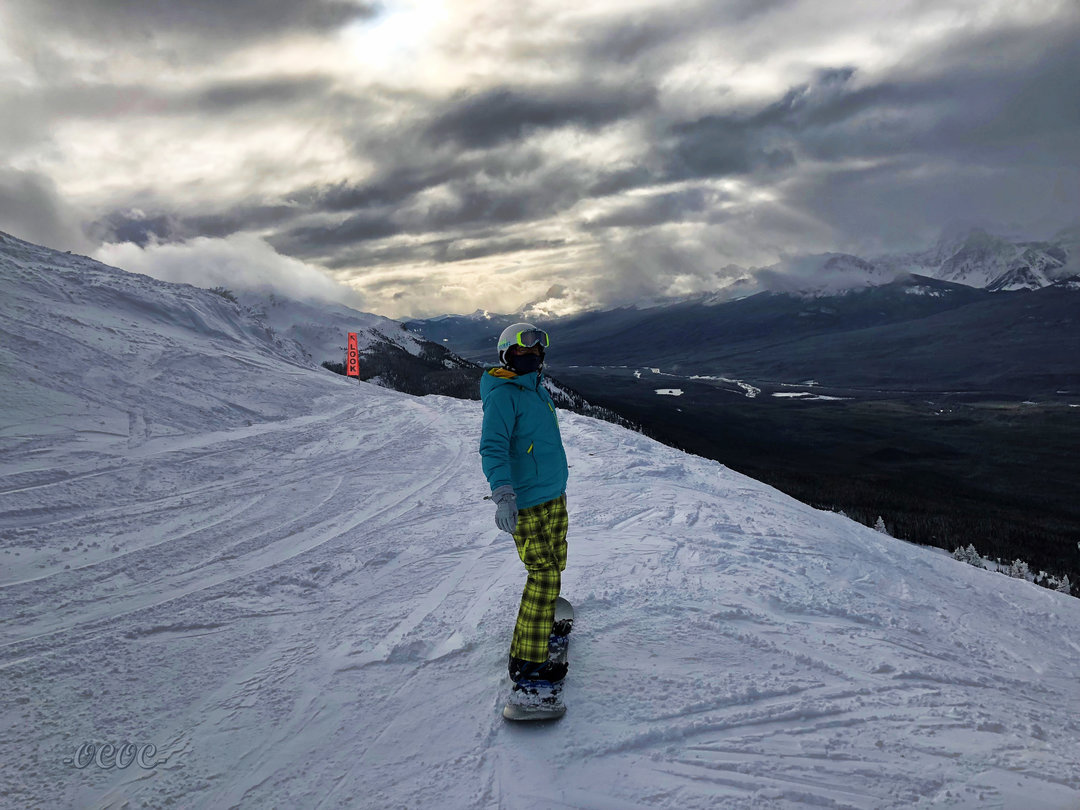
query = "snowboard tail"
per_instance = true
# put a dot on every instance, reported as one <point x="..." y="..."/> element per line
<point x="535" y="700"/>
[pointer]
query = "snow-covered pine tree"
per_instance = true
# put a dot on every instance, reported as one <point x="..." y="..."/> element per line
<point x="1064" y="586"/>
<point x="968" y="555"/>
<point x="1018" y="570"/>
<point x="880" y="525"/>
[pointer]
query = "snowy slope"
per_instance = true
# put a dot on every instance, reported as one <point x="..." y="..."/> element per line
<point x="301" y="599"/>
<point x="91" y="351"/>
<point x="321" y="328"/>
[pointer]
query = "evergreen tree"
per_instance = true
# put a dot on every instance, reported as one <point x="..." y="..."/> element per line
<point x="968" y="555"/>
<point x="225" y="293"/>
<point x="1018" y="570"/>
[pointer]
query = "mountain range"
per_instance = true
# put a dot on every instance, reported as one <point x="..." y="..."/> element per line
<point x="962" y="255"/>
<point x="986" y="316"/>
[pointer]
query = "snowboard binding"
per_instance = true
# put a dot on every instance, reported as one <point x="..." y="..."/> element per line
<point x="561" y="628"/>
<point x="550" y="671"/>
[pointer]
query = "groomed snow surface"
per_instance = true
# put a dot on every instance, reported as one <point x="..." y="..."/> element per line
<point x="291" y="584"/>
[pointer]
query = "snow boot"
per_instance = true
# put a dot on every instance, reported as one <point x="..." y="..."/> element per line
<point x="549" y="672"/>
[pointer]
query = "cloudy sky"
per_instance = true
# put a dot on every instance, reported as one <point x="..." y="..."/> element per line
<point x="435" y="156"/>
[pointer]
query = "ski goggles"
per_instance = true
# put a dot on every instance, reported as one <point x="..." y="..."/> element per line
<point x="529" y="338"/>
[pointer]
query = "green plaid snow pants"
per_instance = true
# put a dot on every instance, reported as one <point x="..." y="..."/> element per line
<point x="540" y="537"/>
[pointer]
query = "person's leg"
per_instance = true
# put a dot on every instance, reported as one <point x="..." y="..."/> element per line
<point x="541" y="543"/>
<point x="558" y="525"/>
<point x="558" y="522"/>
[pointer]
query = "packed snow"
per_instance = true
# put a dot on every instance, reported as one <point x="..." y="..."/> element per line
<point x="290" y="584"/>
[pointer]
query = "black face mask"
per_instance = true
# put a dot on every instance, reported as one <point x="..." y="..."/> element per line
<point x="525" y="363"/>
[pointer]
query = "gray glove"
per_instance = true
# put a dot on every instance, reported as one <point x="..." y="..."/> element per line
<point x="506" y="514"/>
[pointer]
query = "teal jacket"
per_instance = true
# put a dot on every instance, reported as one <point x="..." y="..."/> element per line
<point x="520" y="443"/>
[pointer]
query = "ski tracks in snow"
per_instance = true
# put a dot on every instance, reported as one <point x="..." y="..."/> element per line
<point x="325" y="607"/>
<point x="719" y="663"/>
<point x="244" y="567"/>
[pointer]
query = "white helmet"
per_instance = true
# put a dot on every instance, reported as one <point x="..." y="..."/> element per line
<point x="521" y="334"/>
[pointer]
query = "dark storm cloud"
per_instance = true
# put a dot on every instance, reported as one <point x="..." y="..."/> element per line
<point x="612" y="181"/>
<point x="455" y="251"/>
<point x="656" y="209"/>
<point x="954" y="109"/>
<point x="478" y="204"/>
<point x="406" y="168"/>
<point x="368" y="254"/>
<point x="965" y="109"/>
<point x="1008" y="105"/>
<point x="905" y="203"/>
<point x="142" y="228"/>
<point x="316" y="240"/>
<point x="944" y="115"/>
<point x="139" y="22"/>
<point x="496" y="183"/>
<point x="439" y="251"/>
<point x="392" y="282"/>
<point x="721" y="146"/>
<point x="992" y="138"/>
<point x="959" y="110"/>
<point x="972" y="101"/>
<point x="240" y="218"/>
<point x="476" y="192"/>
<point x="763" y="140"/>
<point x="392" y="187"/>
<point x="633" y="39"/>
<point x="491" y="117"/>
<point x="713" y="146"/>
<point x="470" y="206"/>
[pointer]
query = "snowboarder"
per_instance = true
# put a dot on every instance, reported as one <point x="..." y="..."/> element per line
<point x="525" y="465"/>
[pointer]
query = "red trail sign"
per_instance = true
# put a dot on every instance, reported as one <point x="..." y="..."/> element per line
<point x="352" y="365"/>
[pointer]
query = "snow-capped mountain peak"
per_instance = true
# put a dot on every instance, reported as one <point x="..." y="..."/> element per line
<point x="976" y="258"/>
<point x="1020" y="277"/>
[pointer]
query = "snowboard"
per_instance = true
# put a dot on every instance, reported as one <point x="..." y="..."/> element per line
<point x="540" y="700"/>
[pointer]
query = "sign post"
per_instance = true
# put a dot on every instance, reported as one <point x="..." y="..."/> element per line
<point x="352" y="364"/>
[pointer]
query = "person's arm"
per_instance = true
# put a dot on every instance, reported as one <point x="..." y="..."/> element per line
<point x="495" y="435"/>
